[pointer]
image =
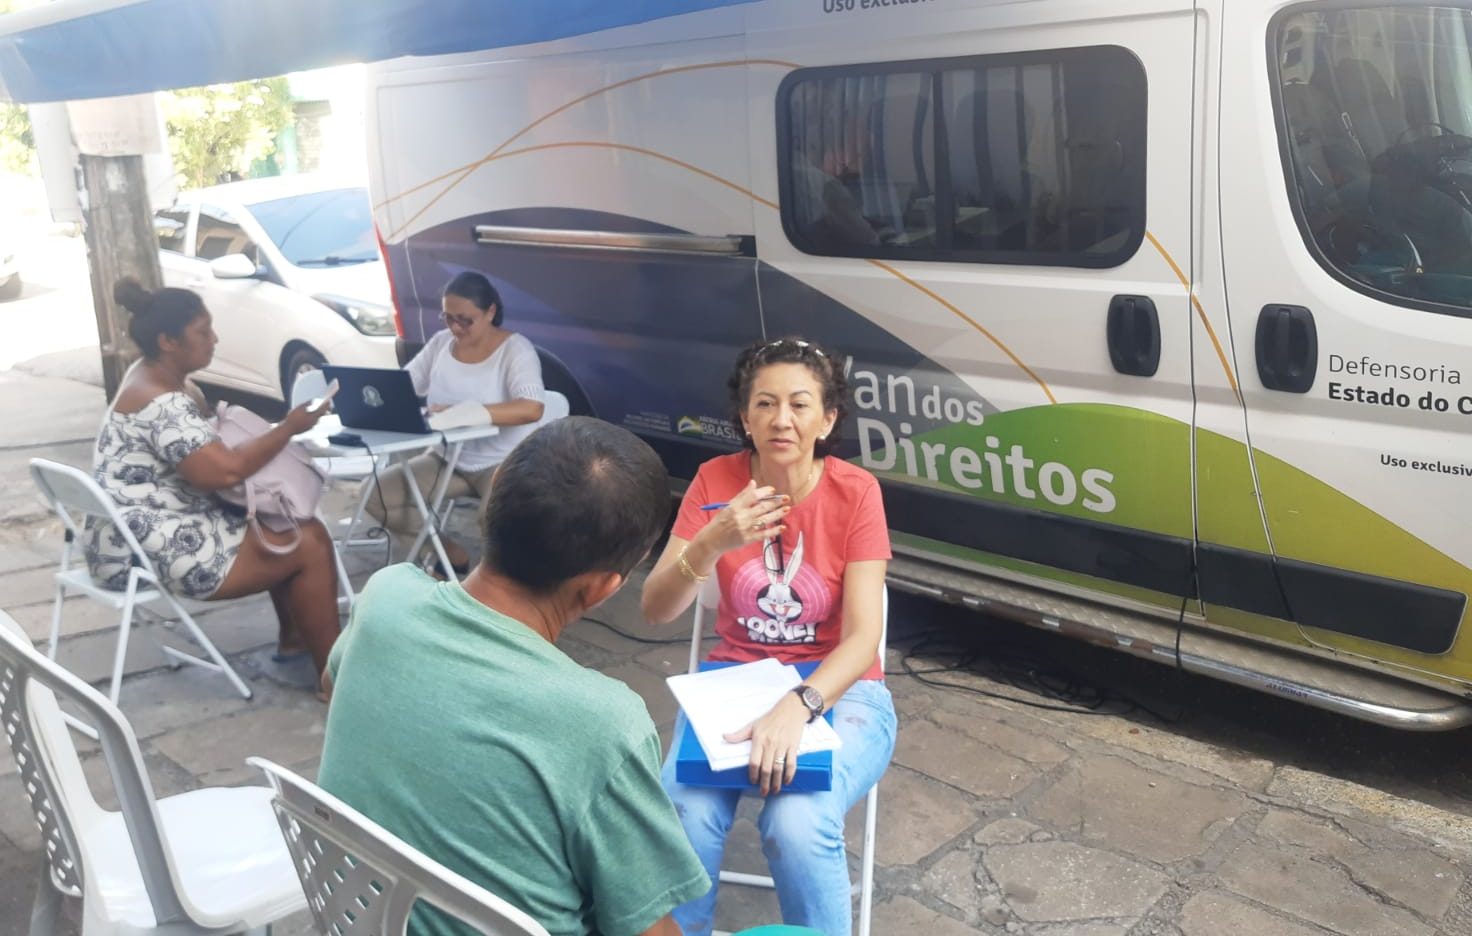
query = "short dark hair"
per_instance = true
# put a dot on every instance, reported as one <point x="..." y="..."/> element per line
<point x="476" y="289"/>
<point x="156" y="313"/>
<point x="578" y="495"/>
<point x="827" y="366"/>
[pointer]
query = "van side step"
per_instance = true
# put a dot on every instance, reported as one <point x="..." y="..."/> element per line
<point x="1300" y="677"/>
<point x="1322" y="683"/>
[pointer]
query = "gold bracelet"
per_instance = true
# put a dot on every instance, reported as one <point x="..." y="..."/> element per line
<point x="687" y="570"/>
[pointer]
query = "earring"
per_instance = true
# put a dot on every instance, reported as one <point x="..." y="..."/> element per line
<point x="823" y="437"/>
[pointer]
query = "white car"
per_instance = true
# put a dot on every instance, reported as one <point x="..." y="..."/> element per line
<point x="290" y="270"/>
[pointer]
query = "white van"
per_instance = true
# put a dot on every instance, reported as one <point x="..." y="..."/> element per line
<point x="1159" y="309"/>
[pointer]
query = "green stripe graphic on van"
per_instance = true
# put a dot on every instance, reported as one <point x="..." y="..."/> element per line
<point x="1316" y="523"/>
<point x="1100" y="462"/>
<point x="1094" y="462"/>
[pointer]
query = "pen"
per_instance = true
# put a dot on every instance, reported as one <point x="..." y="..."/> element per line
<point x="722" y="504"/>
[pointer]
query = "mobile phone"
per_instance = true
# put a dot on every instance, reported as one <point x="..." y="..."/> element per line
<point x="318" y="403"/>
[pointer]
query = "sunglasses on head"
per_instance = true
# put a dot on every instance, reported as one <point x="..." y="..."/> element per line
<point x="797" y="343"/>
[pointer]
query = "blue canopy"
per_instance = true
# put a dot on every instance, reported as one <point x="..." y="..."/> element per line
<point x="74" y="49"/>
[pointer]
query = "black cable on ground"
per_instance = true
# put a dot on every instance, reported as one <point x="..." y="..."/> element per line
<point x="1064" y="692"/>
<point x="635" y="637"/>
<point x="388" y="538"/>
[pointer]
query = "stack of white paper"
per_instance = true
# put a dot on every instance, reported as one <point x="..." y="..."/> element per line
<point x="720" y="701"/>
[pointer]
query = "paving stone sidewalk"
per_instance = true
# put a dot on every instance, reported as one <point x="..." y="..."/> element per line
<point x="994" y="818"/>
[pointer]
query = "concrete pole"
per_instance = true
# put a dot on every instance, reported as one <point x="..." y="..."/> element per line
<point x="120" y="242"/>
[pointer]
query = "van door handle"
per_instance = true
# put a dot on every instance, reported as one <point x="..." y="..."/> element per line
<point x="1134" y="335"/>
<point x="1287" y="348"/>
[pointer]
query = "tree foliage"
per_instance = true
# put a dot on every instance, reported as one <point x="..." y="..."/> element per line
<point x="17" y="145"/>
<point x="218" y="131"/>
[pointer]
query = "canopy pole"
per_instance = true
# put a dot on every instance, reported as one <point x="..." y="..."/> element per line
<point x="120" y="242"/>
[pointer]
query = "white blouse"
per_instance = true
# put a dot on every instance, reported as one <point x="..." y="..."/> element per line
<point x="512" y="372"/>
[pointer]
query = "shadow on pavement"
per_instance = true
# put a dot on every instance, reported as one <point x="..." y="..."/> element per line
<point x="1434" y="768"/>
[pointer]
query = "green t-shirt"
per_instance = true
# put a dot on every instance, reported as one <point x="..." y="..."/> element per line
<point x="472" y="738"/>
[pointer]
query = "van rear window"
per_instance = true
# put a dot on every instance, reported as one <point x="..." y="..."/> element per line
<point x="1029" y="158"/>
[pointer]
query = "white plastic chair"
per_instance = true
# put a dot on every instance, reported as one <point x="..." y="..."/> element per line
<point x="73" y="494"/>
<point x="707" y="601"/>
<point x="204" y="862"/>
<point x="554" y="407"/>
<point x="362" y="880"/>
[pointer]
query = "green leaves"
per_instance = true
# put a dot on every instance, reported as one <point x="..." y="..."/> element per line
<point x="17" y="145"/>
<point x="222" y="129"/>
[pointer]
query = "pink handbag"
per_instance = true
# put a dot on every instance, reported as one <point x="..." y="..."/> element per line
<point x="284" y="492"/>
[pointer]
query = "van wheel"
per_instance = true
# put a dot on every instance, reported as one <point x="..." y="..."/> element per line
<point x="294" y="363"/>
<point x="11" y="289"/>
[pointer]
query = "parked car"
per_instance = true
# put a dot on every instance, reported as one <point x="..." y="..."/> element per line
<point x="289" y="268"/>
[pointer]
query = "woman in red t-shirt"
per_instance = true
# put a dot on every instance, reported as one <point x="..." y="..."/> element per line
<point x="800" y="551"/>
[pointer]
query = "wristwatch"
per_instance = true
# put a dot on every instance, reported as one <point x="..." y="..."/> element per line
<point x="812" y="698"/>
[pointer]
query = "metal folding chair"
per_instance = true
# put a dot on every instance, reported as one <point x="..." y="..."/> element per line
<point x="706" y="603"/>
<point x="73" y="494"/>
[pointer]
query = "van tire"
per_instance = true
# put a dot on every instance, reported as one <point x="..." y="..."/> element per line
<point x="295" y="359"/>
<point x="11" y="290"/>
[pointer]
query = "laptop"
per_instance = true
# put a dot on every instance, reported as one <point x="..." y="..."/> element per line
<point x="379" y="398"/>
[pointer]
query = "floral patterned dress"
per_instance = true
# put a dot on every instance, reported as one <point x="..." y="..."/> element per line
<point x="189" y="535"/>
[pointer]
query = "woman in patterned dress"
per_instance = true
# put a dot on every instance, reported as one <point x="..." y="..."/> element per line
<point x="161" y="460"/>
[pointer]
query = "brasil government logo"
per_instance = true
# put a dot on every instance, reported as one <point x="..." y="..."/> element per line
<point x="690" y="426"/>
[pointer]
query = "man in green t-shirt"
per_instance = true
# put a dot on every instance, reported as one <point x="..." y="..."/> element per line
<point x="458" y="725"/>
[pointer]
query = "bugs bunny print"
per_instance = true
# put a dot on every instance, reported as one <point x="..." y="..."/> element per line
<point x="778" y="599"/>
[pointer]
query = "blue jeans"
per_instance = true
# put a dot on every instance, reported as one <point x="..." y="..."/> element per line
<point x="802" y="832"/>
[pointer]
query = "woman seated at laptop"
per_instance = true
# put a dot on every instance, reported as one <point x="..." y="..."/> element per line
<point x="473" y="359"/>
<point x="161" y="459"/>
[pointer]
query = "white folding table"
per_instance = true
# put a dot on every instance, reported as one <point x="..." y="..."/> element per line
<point x="382" y="448"/>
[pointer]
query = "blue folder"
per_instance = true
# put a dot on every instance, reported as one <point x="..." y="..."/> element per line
<point x="814" y="770"/>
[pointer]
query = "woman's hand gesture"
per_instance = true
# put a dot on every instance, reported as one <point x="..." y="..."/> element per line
<point x="754" y="514"/>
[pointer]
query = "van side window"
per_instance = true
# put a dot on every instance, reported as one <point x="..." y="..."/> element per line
<point x="170" y="225"/>
<point x="1375" y="122"/>
<point x="1031" y="158"/>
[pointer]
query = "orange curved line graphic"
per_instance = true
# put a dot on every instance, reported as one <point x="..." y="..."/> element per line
<point x="1200" y="313"/>
<point x="972" y="322"/>
<point x="465" y="171"/>
<point x="652" y="154"/>
<point x="642" y="151"/>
